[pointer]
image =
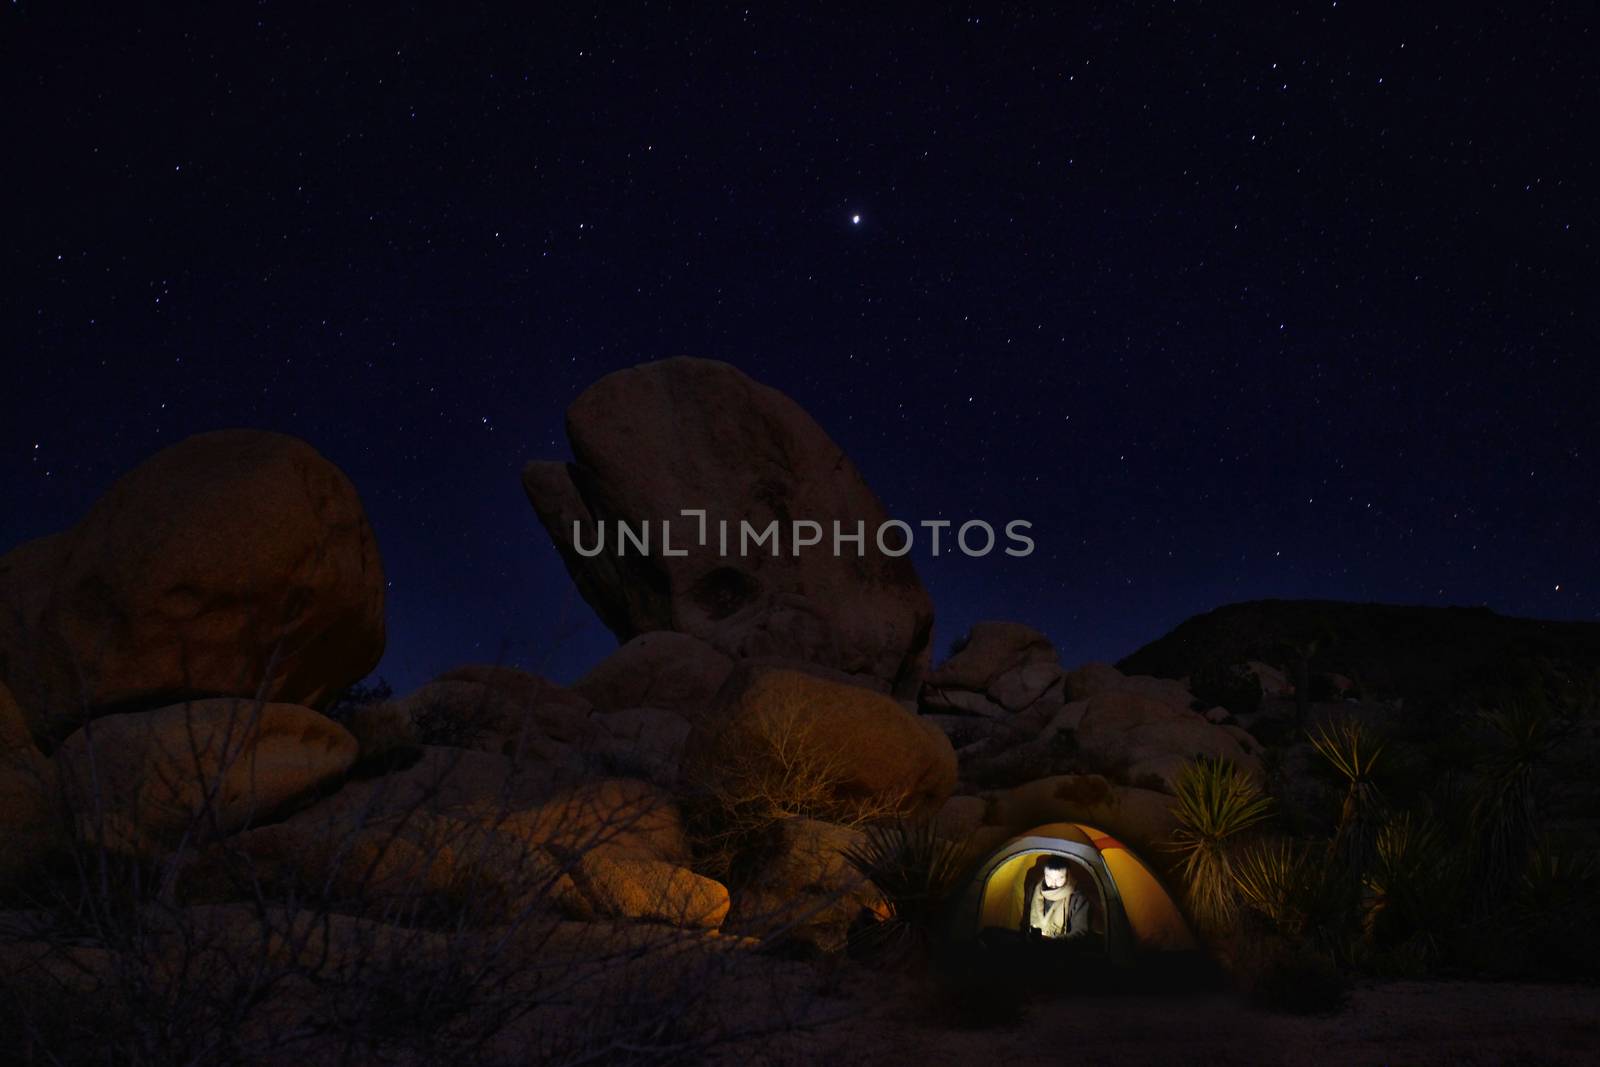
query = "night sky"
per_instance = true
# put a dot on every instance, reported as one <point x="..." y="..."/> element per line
<point x="1278" y="300"/>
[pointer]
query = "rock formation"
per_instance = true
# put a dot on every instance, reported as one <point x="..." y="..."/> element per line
<point x="653" y="440"/>
<point x="1013" y="712"/>
<point x="207" y="767"/>
<point x="661" y="669"/>
<point x="230" y="564"/>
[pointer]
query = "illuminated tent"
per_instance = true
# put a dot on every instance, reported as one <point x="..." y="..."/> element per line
<point x="1134" y="914"/>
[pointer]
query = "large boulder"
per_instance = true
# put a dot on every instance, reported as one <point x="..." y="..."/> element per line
<point x="1273" y="682"/>
<point x="1148" y="739"/>
<point x="141" y="778"/>
<point x="990" y="650"/>
<point x="622" y="818"/>
<point x="1169" y="691"/>
<point x="662" y="669"/>
<point x="776" y="727"/>
<point x="1090" y="679"/>
<point x="648" y="890"/>
<point x="1019" y="689"/>
<point x="999" y="670"/>
<point x="653" y="440"/>
<point x="233" y="563"/>
<point x="615" y="847"/>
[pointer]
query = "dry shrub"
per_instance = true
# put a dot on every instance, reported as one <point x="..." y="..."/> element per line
<point x="783" y="767"/>
<point x="413" y="931"/>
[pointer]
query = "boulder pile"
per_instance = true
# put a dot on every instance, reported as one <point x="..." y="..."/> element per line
<point x="1014" y="713"/>
<point x="169" y="669"/>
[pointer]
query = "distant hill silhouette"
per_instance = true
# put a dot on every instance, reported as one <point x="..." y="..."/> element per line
<point x="1388" y="648"/>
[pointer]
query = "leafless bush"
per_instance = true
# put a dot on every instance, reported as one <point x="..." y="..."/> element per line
<point x="426" y="914"/>
<point x="781" y="767"/>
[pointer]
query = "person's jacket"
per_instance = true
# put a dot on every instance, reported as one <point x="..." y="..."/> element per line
<point x="1068" y="917"/>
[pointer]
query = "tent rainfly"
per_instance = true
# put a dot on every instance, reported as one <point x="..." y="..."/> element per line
<point x="1133" y="912"/>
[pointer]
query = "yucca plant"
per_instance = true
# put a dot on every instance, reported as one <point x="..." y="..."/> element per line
<point x="1554" y="908"/>
<point x="914" y="869"/>
<point x="1216" y="802"/>
<point x="1304" y="897"/>
<point x="1554" y="884"/>
<point x="1412" y="886"/>
<point x="1355" y="754"/>
<point x="1506" y="813"/>
<point x="1270" y="876"/>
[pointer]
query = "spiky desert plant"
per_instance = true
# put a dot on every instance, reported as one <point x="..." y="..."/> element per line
<point x="1554" y="888"/>
<point x="1216" y="802"/>
<point x="914" y="868"/>
<point x="1269" y="876"/>
<point x="1412" y="887"/>
<point x="1355" y="754"/>
<point x="1350" y="748"/>
<point x="1292" y="885"/>
<point x="1552" y="911"/>
<point x="1506" y="813"/>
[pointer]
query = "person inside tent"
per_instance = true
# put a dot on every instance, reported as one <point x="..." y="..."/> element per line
<point x="1058" y="910"/>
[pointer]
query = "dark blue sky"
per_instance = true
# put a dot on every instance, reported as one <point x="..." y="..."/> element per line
<point x="1299" y="304"/>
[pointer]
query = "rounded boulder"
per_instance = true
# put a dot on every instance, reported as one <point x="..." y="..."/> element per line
<point x="209" y="765"/>
<point x="233" y="563"/>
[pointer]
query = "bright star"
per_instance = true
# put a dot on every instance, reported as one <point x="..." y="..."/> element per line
<point x="855" y="220"/>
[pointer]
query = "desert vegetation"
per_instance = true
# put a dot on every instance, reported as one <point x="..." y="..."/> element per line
<point x="1457" y="853"/>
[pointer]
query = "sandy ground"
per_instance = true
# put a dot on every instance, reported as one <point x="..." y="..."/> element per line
<point x="1391" y="1023"/>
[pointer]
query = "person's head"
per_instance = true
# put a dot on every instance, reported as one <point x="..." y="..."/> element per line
<point x="1055" y="872"/>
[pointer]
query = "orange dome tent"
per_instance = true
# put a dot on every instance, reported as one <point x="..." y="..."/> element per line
<point x="1135" y="914"/>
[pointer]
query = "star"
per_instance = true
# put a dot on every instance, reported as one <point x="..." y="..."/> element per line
<point x="855" y="220"/>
